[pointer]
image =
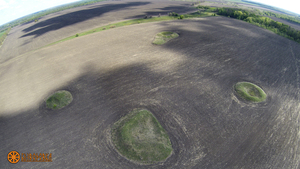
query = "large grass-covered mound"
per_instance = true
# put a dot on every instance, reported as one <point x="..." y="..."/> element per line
<point x="59" y="99"/>
<point x="250" y="92"/>
<point x="139" y="137"/>
<point x="164" y="37"/>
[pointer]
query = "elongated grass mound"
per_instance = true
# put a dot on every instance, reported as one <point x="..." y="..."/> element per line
<point x="59" y="99"/>
<point x="250" y="92"/>
<point x="164" y="37"/>
<point x="139" y="137"/>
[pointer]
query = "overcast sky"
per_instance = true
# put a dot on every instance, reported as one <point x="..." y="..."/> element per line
<point x="14" y="9"/>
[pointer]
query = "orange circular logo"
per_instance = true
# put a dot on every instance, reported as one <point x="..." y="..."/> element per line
<point x="13" y="157"/>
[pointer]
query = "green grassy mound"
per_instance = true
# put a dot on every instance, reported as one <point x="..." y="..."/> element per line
<point x="139" y="137"/>
<point x="250" y="92"/>
<point x="164" y="37"/>
<point x="59" y="99"/>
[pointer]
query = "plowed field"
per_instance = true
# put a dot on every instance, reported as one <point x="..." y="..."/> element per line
<point x="186" y="83"/>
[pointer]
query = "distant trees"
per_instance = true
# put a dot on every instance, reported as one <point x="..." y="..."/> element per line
<point x="265" y="22"/>
<point x="173" y="14"/>
<point x="207" y="8"/>
<point x="295" y="19"/>
<point x="203" y="7"/>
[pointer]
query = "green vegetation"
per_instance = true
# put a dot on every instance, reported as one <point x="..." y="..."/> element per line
<point x="59" y="99"/>
<point x="173" y="14"/>
<point x="35" y="16"/>
<point x="264" y="22"/>
<point x="289" y="16"/>
<point x="164" y="37"/>
<point x="250" y="92"/>
<point x="3" y="35"/>
<point x="203" y="7"/>
<point x="294" y="19"/>
<point x="139" y="137"/>
<point x="181" y="17"/>
<point x="207" y="8"/>
<point x="136" y="21"/>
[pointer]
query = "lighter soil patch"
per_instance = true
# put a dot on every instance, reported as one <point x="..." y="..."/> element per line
<point x="164" y="37"/>
<point x="139" y="137"/>
<point x="59" y="100"/>
<point x="250" y="92"/>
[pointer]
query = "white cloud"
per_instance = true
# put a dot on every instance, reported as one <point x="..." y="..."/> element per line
<point x="11" y="1"/>
<point x="3" y="4"/>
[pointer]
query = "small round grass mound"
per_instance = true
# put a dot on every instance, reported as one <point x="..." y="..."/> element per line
<point x="250" y="92"/>
<point x="59" y="99"/>
<point x="164" y="37"/>
<point x="139" y="137"/>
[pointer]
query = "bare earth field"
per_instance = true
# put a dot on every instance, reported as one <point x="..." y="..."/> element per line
<point x="186" y="83"/>
<point x="54" y="27"/>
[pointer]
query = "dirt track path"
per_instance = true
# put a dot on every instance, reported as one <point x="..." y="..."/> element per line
<point x="186" y="83"/>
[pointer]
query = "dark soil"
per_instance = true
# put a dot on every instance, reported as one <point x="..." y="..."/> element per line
<point x="186" y="83"/>
<point x="57" y="26"/>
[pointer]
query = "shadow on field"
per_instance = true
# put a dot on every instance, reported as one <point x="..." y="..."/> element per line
<point x="201" y="132"/>
<point x="68" y="19"/>
<point x="207" y="128"/>
<point x="166" y="10"/>
<point x="194" y="103"/>
<point x="233" y="51"/>
<point x="80" y="129"/>
<point x="241" y="47"/>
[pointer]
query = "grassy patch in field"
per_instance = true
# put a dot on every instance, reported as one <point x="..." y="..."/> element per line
<point x="250" y="92"/>
<point x="135" y="21"/>
<point x="59" y="100"/>
<point x="139" y="137"/>
<point x="3" y="35"/>
<point x="164" y="37"/>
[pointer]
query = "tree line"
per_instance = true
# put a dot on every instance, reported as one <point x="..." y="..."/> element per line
<point x="294" y="19"/>
<point x="261" y="21"/>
